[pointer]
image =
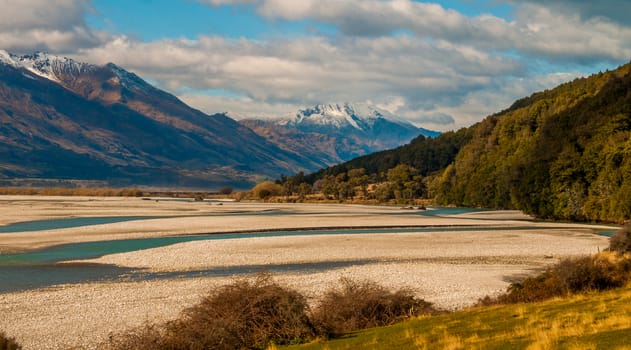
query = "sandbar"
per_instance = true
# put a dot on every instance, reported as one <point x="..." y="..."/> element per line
<point x="442" y="263"/>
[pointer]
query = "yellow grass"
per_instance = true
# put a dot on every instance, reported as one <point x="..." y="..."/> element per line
<point x="593" y="321"/>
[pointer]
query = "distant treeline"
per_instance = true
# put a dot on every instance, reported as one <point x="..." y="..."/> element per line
<point x="111" y="192"/>
<point x="63" y="191"/>
<point x="426" y="155"/>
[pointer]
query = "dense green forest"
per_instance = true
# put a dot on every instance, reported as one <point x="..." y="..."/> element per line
<point x="563" y="153"/>
<point x="398" y="175"/>
<point x="427" y="155"/>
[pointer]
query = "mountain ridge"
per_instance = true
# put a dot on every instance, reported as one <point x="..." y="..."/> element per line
<point x="338" y="132"/>
<point x="104" y="122"/>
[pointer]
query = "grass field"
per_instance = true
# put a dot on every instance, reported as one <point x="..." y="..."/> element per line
<point x="592" y="321"/>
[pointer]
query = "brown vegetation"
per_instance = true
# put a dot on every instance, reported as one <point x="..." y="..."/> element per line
<point x="71" y="191"/>
<point x="243" y="315"/>
<point x="252" y="314"/>
<point x="621" y="241"/>
<point x="266" y="189"/>
<point x="364" y="304"/>
<point x="575" y="275"/>
<point x="223" y="192"/>
<point x="7" y="343"/>
<point x="570" y="276"/>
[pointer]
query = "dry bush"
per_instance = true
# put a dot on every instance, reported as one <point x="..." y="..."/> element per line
<point x="541" y="287"/>
<point x="247" y="314"/>
<point x="620" y="242"/>
<point x="7" y="343"/>
<point x="363" y="304"/>
<point x="266" y="189"/>
<point x="574" y="275"/>
<point x="255" y="313"/>
<point x="147" y="337"/>
<point x="600" y="272"/>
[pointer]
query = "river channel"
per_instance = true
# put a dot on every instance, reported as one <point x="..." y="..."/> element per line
<point x="44" y="267"/>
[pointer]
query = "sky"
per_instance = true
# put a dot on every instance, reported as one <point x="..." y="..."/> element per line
<point x="441" y="65"/>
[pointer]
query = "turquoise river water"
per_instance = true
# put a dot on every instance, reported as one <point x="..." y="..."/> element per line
<point x="40" y="268"/>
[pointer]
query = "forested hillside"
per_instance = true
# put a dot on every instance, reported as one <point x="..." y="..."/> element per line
<point x="563" y="153"/>
<point x="427" y="155"/>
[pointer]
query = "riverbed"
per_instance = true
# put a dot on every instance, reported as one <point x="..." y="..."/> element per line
<point x="152" y="258"/>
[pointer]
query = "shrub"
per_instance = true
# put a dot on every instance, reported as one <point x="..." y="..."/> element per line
<point x="7" y="343"/>
<point x="149" y="336"/>
<point x="356" y="305"/>
<point x="542" y="287"/>
<point x="574" y="275"/>
<point x="247" y="314"/>
<point x="266" y="189"/>
<point x="225" y="190"/>
<point x="621" y="241"/>
<point x="600" y="272"/>
<point x="243" y="315"/>
<point x="252" y="314"/>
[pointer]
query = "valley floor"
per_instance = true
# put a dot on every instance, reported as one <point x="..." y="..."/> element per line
<point x="450" y="260"/>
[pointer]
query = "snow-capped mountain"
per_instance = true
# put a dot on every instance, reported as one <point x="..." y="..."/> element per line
<point x="359" y="116"/>
<point x="338" y="132"/>
<point x="66" y="119"/>
<point x="339" y="116"/>
<point x="48" y="66"/>
<point x="71" y="73"/>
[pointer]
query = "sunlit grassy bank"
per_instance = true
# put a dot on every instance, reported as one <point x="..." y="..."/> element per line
<point x="592" y="321"/>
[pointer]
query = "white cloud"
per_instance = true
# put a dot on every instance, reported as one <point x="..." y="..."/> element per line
<point x="29" y="25"/>
<point x="492" y="99"/>
<point x="306" y="71"/>
<point x="614" y="10"/>
<point x="431" y="65"/>
<point x="27" y="14"/>
<point x="553" y="31"/>
<point x="567" y="37"/>
<point x="240" y="107"/>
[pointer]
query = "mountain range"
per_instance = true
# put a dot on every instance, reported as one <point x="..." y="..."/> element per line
<point x="333" y="133"/>
<point x="63" y="119"/>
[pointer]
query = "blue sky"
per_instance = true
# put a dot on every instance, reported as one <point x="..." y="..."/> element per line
<point x="189" y="19"/>
<point x="440" y="64"/>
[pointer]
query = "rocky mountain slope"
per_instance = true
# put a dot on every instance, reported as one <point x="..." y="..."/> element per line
<point x="64" y="119"/>
<point x="333" y="133"/>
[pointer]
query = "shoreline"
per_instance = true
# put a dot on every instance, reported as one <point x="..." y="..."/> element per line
<point x="297" y="231"/>
<point x="449" y="267"/>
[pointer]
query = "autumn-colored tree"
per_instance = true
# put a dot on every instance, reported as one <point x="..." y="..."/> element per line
<point x="266" y="189"/>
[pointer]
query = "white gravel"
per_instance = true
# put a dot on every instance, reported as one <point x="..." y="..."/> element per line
<point x="452" y="269"/>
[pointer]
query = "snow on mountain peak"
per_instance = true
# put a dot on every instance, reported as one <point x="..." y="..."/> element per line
<point x="360" y="116"/>
<point x="63" y="69"/>
<point x="45" y="65"/>
<point x="7" y="58"/>
<point x="129" y="79"/>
